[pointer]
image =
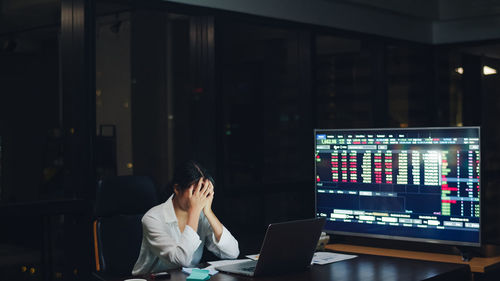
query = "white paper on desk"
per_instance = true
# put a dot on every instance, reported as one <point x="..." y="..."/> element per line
<point x="214" y="264"/>
<point x="329" y="257"/>
<point x="253" y="257"/>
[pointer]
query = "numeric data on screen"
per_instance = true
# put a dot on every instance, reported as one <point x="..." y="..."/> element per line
<point x="401" y="178"/>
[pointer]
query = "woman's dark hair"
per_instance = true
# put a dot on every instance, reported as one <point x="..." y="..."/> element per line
<point x="187" y="173"/>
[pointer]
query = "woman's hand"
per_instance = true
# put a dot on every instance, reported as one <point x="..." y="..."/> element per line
<point x="199" y="196"/>
<point x="208" y="207"/>
<point x="207" y="210"/>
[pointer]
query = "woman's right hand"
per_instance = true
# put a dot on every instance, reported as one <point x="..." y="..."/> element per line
<point x="198" y="196"/>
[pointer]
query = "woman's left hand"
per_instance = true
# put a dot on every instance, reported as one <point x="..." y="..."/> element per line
<point x="208" y="207"/>
<point x="209" y="214"/>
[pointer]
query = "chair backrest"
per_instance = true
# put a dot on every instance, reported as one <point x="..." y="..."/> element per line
<point x="120" y="204"/>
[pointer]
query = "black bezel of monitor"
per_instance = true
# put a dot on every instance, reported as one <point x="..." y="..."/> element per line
<point x="405" y="238"/>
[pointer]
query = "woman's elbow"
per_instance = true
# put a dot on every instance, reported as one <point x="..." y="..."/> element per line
<point x="233" y="253"/>
<point x="237" y="252"/>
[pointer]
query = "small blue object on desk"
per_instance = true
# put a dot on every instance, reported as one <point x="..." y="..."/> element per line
<point x="198" y="275"/>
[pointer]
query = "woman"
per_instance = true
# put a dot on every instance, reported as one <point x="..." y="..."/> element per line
<point x="175" y="232"/>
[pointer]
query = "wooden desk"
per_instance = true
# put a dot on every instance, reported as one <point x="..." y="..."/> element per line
<point x="477" y="264"/>
<point x="364" y="267"/>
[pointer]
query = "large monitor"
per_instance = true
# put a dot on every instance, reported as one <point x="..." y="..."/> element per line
<point x="418" y="184"/>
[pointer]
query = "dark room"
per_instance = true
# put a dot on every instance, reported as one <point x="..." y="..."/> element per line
<point x="345" y="139"/>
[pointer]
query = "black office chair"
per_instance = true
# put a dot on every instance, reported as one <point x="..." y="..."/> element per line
<point x="120" y="204"/>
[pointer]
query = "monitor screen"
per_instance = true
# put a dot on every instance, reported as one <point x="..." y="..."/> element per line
<point x="418" y="184"/>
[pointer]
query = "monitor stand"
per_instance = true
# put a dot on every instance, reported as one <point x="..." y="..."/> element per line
<point x="467" y="254"/>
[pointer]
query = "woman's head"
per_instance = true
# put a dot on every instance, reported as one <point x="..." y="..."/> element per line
<point x="187" y="174"/>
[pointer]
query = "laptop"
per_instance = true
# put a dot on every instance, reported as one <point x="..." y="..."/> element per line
<point x="288" y="246"/>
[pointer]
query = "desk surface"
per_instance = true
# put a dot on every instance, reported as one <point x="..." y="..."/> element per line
<point x="364" y="267"/>
<point x="476" y="264"/>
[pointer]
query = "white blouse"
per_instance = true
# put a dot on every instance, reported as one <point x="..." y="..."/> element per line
<point x="164" y="247"/>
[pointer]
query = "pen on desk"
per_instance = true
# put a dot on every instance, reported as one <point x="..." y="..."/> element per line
<point x="160" y="275"/>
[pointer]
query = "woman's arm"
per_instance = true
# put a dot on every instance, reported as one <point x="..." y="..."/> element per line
<point x="215" y="224"/>
<point x="219" y="240"/>
<point x="207" y="210"/>
<point x="198" y="199"/>
<point x="165" y="246"/>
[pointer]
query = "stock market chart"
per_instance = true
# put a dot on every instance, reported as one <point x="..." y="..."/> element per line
<point x="408" y="183"/>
